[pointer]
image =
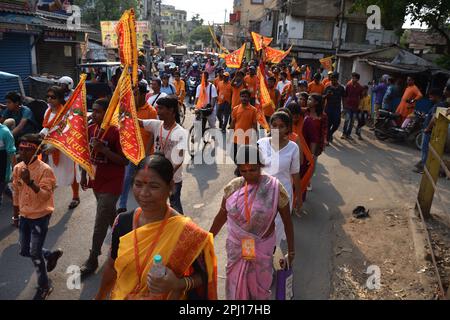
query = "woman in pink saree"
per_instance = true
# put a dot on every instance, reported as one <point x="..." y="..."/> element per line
<point x="249" y="207"/>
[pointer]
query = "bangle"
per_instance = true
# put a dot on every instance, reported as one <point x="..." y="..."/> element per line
<point x="186" y="283"/>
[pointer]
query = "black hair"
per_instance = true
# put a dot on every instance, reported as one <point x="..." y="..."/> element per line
<point x="158" y="81"/>
<point x="246" y="154"/>
<point x="317" y="76"/>
<point x="59" y="93"/>
<point x="283" y="115"/>
<point x="245" y="91"/>
<point x="33" y="138"/>
<point x="294" y="108"/>
<point x="158" y="163"/>
<point x="435" y="92"/>
<point x="103" y="103"/>
<point x="170" y="102"/>
<point x="356" y="75"/>
<point x="319" y="100"/>
<point x="284" y="74"/>
<point x="14" y="97"/>
<point x="304" y="95"/>
<point x="272" y="79"/>
<point x="176" y="73"/>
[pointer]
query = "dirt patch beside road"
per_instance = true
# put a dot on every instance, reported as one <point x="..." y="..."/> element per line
<point x="381" y="242"/>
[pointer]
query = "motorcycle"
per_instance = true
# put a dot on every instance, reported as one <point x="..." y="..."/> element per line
<point x="386" y="127"/>
<point x="192" y="84"/>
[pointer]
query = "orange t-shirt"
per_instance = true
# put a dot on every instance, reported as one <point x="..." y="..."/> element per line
<point x="236" y="95"/>
<point x="245" y="119"/>
<point x="180" y="86"/>
<point x="224" y="91"/>
<point x="252" y="84"/>
<point x="313" y="87"/>
<point x="217" y="80"/>
<point x="326" y="82"/>
<point x="144" y="113"/>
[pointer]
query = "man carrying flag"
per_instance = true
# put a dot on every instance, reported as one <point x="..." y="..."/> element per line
<point x="107" y="156"/>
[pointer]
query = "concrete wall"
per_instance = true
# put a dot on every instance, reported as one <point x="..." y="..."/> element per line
<point x="365" y="70"/>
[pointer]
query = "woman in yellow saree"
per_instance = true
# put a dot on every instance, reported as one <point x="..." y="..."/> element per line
<point x="155" y="228"/>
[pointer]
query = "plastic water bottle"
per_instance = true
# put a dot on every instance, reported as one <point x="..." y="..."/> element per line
<point x="158" y="270"/>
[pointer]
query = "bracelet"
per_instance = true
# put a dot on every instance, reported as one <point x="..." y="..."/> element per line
<point x="186" y="283"/>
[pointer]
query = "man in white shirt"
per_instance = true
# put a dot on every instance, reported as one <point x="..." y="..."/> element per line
<point x="211" y="97"/>
<point x="156" y="88"/>
<point x="169" y="140"/>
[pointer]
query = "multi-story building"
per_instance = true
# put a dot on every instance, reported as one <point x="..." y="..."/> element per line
<point x="173" y="23"/>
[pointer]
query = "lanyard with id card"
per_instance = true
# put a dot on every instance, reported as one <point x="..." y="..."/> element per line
<point x="248" y="244"/>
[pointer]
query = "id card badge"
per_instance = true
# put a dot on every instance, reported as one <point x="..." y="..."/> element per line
<point x="248" y="249"/>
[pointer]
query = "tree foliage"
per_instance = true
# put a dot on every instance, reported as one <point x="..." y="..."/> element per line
<point x="196" y="20"/>
<point x="94" y="11"/>
<point x="200" y="33"/>
<point x="433" y="13"/>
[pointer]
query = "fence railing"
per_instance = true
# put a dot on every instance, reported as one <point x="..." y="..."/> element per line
<point x="428" y="185"/>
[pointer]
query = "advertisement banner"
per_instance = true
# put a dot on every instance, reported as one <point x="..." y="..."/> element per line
<point x="109" y="35"/>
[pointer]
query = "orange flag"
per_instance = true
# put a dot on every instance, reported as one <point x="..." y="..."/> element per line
<point x="202" y="98"/>
<point x="129" y="131"/>
<point x="265" y="102"/>
<point x="127" y="42"/>
<point x="260" y="41"/>
<point x="234" y="59"/>
<point x="70" y="132"/>
<point x="276" y="56"/>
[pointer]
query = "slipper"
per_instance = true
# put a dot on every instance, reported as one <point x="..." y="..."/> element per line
<point x="74" y="203"/>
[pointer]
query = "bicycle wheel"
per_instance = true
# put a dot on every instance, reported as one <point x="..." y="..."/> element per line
<point x="195" y="142"/>
<point x="208" y="139"/>
<point x="182" y="111"/>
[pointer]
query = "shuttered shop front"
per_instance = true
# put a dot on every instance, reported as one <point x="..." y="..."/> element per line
<point x="15" y="58"/>
<point x="57" y="58"/>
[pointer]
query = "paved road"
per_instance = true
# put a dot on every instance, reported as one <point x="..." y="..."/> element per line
<point x="374" y="174"/>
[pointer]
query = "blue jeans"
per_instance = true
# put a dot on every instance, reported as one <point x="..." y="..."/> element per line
<point x="32" y="233"/>
<point x="175" y="198"/>
<point x="130" y="170"/>
<point x="425" y="147"/>
<point x="349" y="120"/>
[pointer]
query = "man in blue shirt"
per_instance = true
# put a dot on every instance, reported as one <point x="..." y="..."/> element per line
<point x="380" y="91"/>
<point x="435" y="97"/>
<point x="22" y="115"/>
<point x="7" y="152"/>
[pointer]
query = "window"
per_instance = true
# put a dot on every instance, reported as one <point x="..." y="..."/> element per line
<point x="356" y="33"/>
<point x="257" y="2"/>
<point x="318" y="30"/>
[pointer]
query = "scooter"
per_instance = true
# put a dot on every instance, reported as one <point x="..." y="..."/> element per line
<point x="192" y="84"/>
<point x="386" y="127"/>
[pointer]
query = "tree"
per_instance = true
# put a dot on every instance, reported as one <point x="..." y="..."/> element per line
<point x="94" y="11"/>
<point x="434" y="13"/>
<point x="200" y="33"/>
<point x="196" y="20"/>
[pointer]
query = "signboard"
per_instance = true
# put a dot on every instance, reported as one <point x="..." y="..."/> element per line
<point x="109" y="36"/>
<point x="55" y="6"/>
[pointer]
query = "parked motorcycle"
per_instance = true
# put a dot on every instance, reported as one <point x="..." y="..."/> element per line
<point x="386" y="127"/>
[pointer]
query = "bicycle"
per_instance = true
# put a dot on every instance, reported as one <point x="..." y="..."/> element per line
<point x="207" y="136"/>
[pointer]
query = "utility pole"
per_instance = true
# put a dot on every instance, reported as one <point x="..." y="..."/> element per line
<point x="222" y="40"/>
<point x="341" y="25"/>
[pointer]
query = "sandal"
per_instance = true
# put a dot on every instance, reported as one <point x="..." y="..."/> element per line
<point x="74" y="204"/>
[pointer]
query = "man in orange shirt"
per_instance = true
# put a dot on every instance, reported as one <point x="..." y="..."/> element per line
<point x="327" y="81"/>
<point x="274" y="96"/>
<point x="34" y="184"/>
<point x="237" y="85"/>
<point x="219" y="77"/>
<point x="251" y="81"/>
<point x="180" y="88"/>
<point x="316" y="86"/>
<point x="243" y="122"/>
<point x="224" y="91"/>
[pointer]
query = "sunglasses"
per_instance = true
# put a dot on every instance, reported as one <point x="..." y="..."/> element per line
<point x="51" y="97"/>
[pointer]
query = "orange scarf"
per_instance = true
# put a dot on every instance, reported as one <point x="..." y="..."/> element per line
<point x="202" y="99"/>
<point x="48" y="125"/>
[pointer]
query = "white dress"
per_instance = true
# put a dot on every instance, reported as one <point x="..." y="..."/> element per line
<point x="281" y="164"/>
<point x="66" y="169"/>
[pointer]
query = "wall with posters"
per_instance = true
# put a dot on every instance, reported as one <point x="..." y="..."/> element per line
<point x="109" y="36"/>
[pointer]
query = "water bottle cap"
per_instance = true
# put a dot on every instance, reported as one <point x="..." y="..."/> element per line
<point x="157" y="259"/>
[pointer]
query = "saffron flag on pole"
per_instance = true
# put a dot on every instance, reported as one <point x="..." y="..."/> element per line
<point x="70" y="132"/>
<point x="260" y="41"/>
<point x="265" y="102"/>
<point x="129" y="131"/>
<point x="127" y="42"/>
<point x="217" y="42"/>
<point x="202" y="98"/>
<point x="276" y="56"/>
<point x="234" y="59"/>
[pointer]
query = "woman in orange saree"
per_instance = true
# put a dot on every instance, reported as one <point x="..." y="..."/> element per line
<point x="155" y="228"/>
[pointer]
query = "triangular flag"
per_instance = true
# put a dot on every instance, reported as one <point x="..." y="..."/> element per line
<point x="234" y="59"/>
<point x="127" y="42"/>
<point x="260" y="41"/>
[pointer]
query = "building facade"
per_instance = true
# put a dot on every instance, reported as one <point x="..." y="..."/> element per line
<point x="173" y="24"/>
